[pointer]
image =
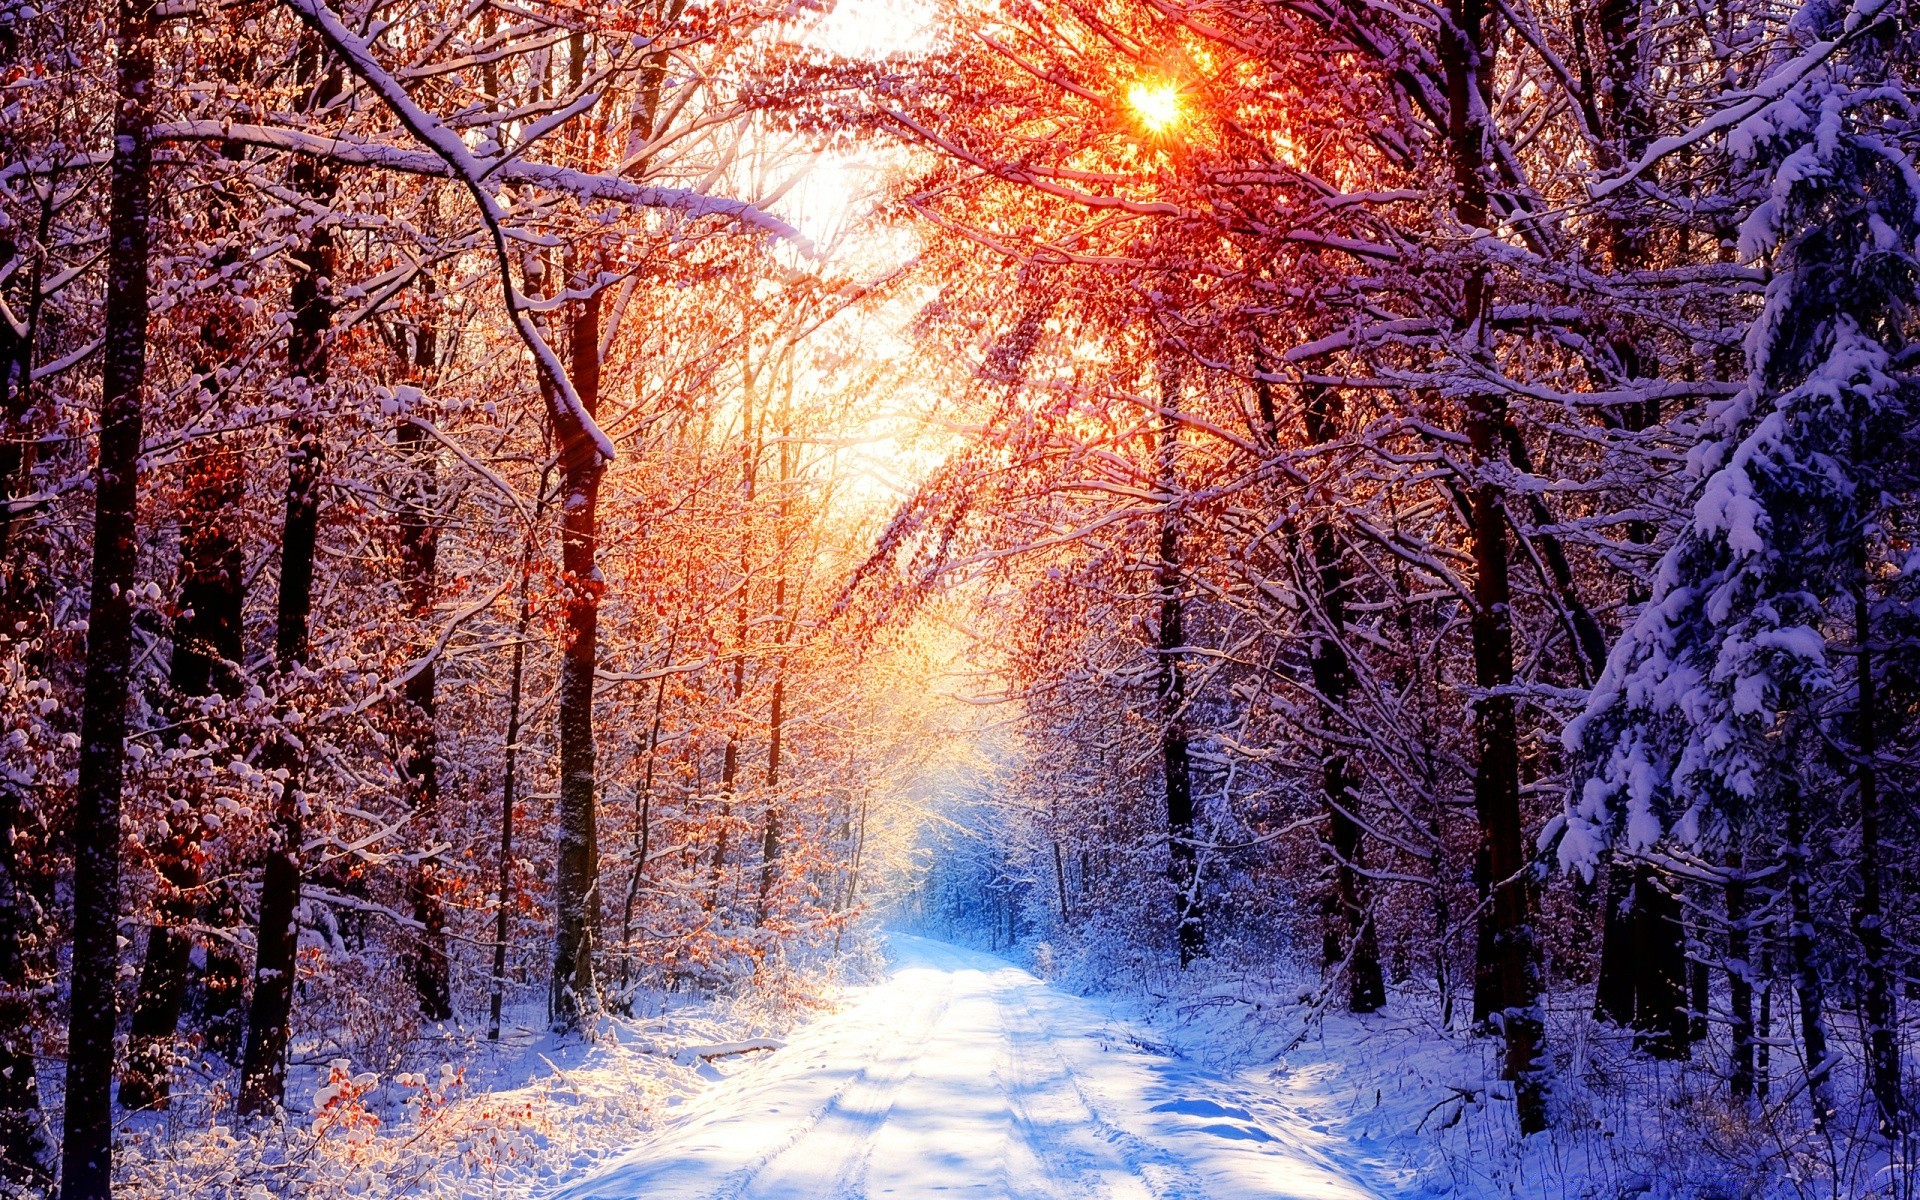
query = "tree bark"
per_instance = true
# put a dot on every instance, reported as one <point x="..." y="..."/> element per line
<point x="1636" y="946"/>
<point x="1809" y="988"/>
<point x="1349" y="938"/>
<point x="643" y="823"/>
<point x="1506" y="980"/>
<point x="776" y="715"/>
<point x="1643" y="961"/>
<point x="206" y="645"/>
<point x="575" y="995"/>
<point x="770" y="833"/>
<point x="1614" y="991"/>
<point x="730" y="756"/>
<point x="1740" y="978"/>
<point x="263" y="1073"/>
<point x="87" y="1152"/>
<point x="419" y="771"/>
<point x="510" y="775"/>
<point x="1882" y="1033"/>
<point x="1183" y="867"/>
<point x="26" y="1150"/>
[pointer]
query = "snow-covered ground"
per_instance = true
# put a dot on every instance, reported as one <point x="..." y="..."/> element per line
<point x="958" y="1073"/>
<point x="961" y="1074"/>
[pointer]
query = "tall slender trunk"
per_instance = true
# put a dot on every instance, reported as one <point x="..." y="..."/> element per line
<point x="575" y="995"/>
<point x="1638" y="948"/>
<point x="1060" y="879"/>
<point x="1882" y="1033"/>
<point x="1183" y="865"/>
<point x="510" y="774"/>
<point x="1349" y="937"/>
<point x="1763" y="1026"/>
<point x="419" y="771"/>
<point x="1808" y="986"/>
<point x="87" y="1153"/>
<point x="770" y="832"/>
<point x="1740" y="977"/>
<point x="1506" y="982"/>
<point x="730" y="756"/>
<point x="852" y="895"/>
<point x="213" y="601"/>
<point x="206" y="642"/>
<point x="643" y="821"/>
<point x="776" y="716"/>
<point x="26" y="1150"/>
<point x="263" y="1073"/>
<point x="1698" y="992"/>
<point x="1643" y="960"/>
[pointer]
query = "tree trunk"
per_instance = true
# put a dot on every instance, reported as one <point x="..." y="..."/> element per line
<point x="643" y="823"/>
<point x="26" y="1152"/>
<point x="263" y="1073"/>
<point x="1882" y="1033"/>
<point x="770" y="834"/>
<point x="1350" y="938"/>
<point x="1643" y="961"/>
<point x="1740" y="979"/>
<point x="1698" y="997"/>
<point x="206" y="645"/>
<point x="730" y="757"/>
<point x="1183" y="868"/>
<point x="1614" y="990"/>
<point x="87" y="1153"/>
<point x="1506" y="980"/>
<point x="1808" y="986"/>
<point x="575" y="996"/>
<point x="1660" y="956"/>
<point x="1506" y="991"/>
<point x="419" y="558"/>
<point x="1763" y="1029"/>
<point x="510" y="774"/>
<point x="1651" y="942"/>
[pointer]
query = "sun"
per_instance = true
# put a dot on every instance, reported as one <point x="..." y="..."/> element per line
<point x="1156" y="104"/>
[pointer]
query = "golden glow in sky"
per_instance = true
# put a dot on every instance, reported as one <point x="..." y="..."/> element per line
<point x="1156" y="104"/>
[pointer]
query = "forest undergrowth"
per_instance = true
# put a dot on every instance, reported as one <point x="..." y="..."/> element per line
<point x="1416" y="1091"/>
<point x="381" y="1108"/>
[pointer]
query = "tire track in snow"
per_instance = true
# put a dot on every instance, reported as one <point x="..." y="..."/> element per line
<point x="848" y="1121"/>
<point x="962" y="1075"/>
<point x="1155" y="1173"/>
<point x="843" y="1133"/>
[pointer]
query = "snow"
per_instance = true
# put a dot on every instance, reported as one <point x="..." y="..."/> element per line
<point x="963" y="1074"/>
<point x="1752" y="118"/>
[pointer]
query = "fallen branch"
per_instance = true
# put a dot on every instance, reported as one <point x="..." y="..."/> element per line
<point x="689" y="1055"/>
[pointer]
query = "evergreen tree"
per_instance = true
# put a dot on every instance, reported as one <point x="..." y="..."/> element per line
<point x="1763" y="644"/>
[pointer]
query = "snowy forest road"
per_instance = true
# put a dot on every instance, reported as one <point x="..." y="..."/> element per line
<point x="963" y="1075"/>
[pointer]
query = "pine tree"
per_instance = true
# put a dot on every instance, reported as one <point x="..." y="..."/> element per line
<point x="1761" y="644"/>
